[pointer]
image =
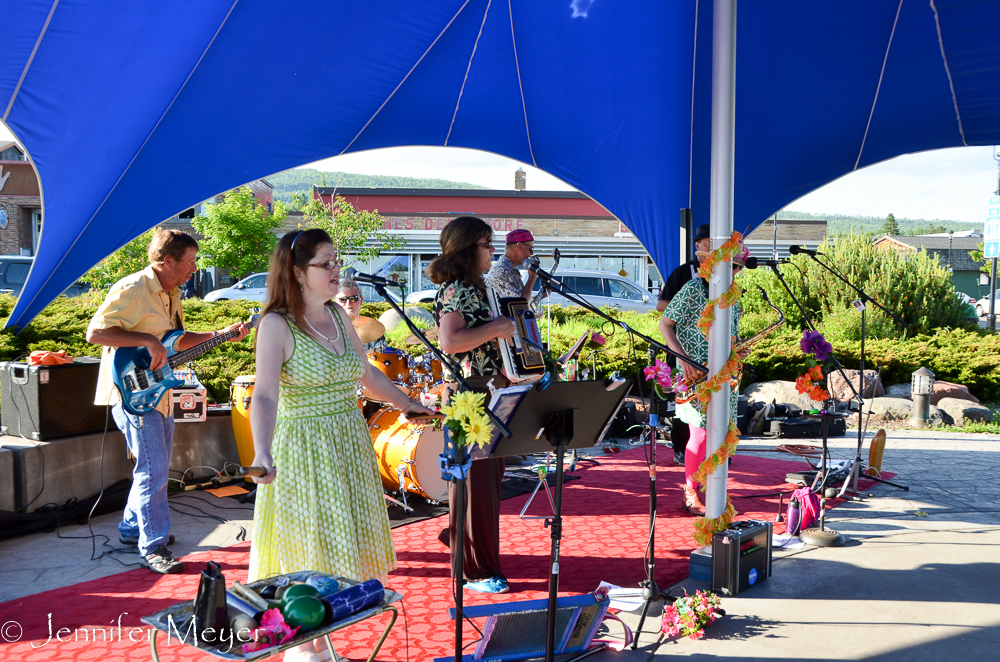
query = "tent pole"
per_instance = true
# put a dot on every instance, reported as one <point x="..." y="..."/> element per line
<point x="721" y="215"/>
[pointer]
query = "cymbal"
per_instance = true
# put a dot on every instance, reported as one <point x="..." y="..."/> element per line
<point x="368" y="329"/>
<point x="413" y="340"/>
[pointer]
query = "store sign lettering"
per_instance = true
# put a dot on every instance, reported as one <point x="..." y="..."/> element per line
<point x="438" y="223"/>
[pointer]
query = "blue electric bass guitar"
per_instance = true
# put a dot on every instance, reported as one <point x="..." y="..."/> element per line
<point x="142" y="389"/>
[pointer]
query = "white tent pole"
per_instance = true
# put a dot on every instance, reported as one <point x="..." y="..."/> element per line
<point x="721" y="214"/>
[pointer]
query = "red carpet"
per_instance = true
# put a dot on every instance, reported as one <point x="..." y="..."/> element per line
<point x="605" y="520"/>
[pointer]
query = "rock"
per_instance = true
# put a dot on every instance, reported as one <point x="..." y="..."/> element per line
<point x="391" y="319"/>
<point x="949" y="390"/>
<point x="962" y="411"/>
<point x="888" y="409"/>
<point x="839" y="390"/>
<point x="898" y="391"/>
<point x="780" y="392"/>
<point x="938" y="417"/>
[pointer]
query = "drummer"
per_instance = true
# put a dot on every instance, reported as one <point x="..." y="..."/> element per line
<point x="349" y="296"/>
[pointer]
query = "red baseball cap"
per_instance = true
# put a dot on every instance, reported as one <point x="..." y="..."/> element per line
<point x="517" y="236"/>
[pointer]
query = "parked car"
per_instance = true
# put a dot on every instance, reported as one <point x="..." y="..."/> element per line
<point x="983" y="306"/>
<point x="254" y="288"/>
<point x="601" y="288"/>
<point x="422" y="296"/>
<point x="14" y="271"/>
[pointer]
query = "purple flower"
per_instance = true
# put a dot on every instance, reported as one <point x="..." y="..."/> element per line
<point x="814" y="343"/>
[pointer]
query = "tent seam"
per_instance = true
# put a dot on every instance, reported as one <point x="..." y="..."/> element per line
<point x="31" y="58"/>
<point x="520" y="85"/>
<point x="415" y="65"/>
<point x="468" y="68"/>
<point x="139" y="151"/>
<point x="879" y="86"/>
<point x="947" y="70"/>
<point x="694" y="63"/>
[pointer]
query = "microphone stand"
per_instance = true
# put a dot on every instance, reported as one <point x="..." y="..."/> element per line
<point x="650" y="589"/>
<point x="457" y="474"/>
<point x="864" y="299"/>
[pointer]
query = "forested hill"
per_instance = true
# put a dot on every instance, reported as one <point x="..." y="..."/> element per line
<point x="300" y="181"/>
<point x="843" y="224"/>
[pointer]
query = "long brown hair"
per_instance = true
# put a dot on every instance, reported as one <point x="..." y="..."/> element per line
<point x="295" y="249"/>
<point x="459" y="259"/>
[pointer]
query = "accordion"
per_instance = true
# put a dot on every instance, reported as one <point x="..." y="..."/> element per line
<point x="521" y="361"/>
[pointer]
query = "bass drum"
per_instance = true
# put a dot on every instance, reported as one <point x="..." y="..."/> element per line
<point x="240" y="395"/>
<point x="412" y="447"/>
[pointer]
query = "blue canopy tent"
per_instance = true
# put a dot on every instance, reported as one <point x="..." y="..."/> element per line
<point x="132" y="112"/>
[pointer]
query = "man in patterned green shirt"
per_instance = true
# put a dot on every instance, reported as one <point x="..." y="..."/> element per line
<point x="679" y="327"/>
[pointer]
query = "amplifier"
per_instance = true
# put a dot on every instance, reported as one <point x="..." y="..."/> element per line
<point x="42" y="402"/>
<point x="741" y="556"/>
<point x="188" y="404"/>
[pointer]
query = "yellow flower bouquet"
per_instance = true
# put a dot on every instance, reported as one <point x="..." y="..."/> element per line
<point x="465" y="418"/>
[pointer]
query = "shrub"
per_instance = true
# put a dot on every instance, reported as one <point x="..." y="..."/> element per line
<point x="914" y="285"/>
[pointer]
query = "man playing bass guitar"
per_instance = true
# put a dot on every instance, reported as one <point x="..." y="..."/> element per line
<point x="138" y="310"/>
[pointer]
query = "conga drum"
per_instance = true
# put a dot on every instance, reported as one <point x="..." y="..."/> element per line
<point x="240" y="394"/>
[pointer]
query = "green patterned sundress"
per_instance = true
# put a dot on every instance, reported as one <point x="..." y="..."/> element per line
<point x="325" y="510"/>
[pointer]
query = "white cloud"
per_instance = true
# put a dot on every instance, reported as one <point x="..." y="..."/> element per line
<point x="452" y="163"/>
<point x="949" y="184"/>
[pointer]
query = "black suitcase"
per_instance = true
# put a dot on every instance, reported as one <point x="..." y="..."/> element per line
<point x="42" y="402"/>
<point x="741" y="556"/>
<point x="799" y="427"/>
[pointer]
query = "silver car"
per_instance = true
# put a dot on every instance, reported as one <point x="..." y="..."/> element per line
<point x="252" y="288"/>
<point x="601" y="289"/>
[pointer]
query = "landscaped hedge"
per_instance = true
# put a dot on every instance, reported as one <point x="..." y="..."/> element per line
<point x="970" y="357"/>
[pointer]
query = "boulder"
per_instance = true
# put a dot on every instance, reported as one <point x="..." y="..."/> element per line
<point x="963" y="411"/>
<point x="780" y="392"/>
<point x="839" y="390"/>
<point x="949" y="390"/>
<point x="898" y="391"/>
<point x="888" y="409"/>
<point x="391" y="319"/>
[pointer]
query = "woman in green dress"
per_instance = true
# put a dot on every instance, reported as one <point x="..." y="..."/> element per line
<point x="320" y="506"/>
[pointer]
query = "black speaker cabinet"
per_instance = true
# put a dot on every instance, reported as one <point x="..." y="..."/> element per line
<point x="44" y="402"/>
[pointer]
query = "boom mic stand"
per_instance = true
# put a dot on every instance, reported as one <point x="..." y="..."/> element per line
<point x="650" y="590"/>
<point x="457" y="475"/>
<point x="863" y="298"/>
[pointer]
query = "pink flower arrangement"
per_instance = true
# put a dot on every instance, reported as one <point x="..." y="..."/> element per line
<point x="690" y="615"/>
<point x="659" y="374"/>
<point x="272" y="631"/>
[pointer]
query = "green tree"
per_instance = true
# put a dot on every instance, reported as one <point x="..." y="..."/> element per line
<point x="890" y="226"/>
<point x="128" y="259"/>
<point x="359" y="236"/>
<point x="238" y="233"/>
<point x="977" y="255"/>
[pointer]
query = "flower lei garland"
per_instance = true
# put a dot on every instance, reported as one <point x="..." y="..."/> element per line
<point x="705" y="528"/>
<point x="691" y="614"/>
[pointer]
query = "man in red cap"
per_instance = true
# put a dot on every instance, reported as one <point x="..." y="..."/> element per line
<point x="504" y="277"/>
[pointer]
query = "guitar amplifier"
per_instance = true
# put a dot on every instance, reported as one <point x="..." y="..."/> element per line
<point x="42" y="402"/>
<point x="741" y="556"/>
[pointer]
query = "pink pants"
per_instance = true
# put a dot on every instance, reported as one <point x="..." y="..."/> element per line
<point x="694" y="454"/>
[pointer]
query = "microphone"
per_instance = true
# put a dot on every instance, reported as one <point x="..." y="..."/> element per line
<point x="351" y="273"/>
<point x="753" y="263"/>
<point x="798" y="250"/>
<point x="532" y="266"/>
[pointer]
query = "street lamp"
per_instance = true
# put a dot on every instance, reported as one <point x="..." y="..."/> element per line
<point x="951" y="238"/>
<point x="921" y="389"/>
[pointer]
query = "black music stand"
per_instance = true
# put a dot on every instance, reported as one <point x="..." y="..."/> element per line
<point x="554" y="412"/>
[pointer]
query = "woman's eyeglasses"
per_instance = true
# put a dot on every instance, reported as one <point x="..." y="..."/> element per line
<point x="354" y="298"/>
<point x="484" y="245"/>
<point x="329" y="265"/>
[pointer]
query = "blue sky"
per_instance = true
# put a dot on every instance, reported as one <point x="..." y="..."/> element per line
<point x="950" y="184"/>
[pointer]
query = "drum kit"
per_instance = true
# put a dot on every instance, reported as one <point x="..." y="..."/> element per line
<point x="407" y="451"/>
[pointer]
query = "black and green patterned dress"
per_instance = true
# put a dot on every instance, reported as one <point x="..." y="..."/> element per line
<point x="685" y="310"/>
<point x="325" y="510"/>
<point x="482" y="505"/>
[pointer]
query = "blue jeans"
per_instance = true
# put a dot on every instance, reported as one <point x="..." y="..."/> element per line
<point x="147" y="514"/>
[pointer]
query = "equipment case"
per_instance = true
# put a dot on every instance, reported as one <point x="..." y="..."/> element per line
<point x="741" y="556"/>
